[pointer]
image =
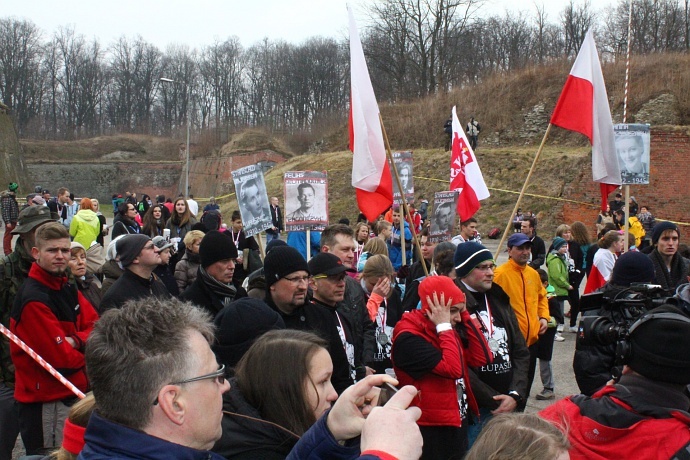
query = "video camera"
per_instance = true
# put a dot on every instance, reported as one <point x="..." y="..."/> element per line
<point x="623" y="308"/>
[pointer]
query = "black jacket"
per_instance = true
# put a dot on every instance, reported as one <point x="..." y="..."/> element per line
<point x="323" y="322"/>
<point x="246" y="435"/>
<point x="131" y="287"/>
<point x="354" y="307"/>
<point x="538" y="253"/>
<point x="202" y="296"/>
<point x="519" y="353"/>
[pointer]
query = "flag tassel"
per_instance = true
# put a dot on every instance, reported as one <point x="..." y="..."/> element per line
<point x="522" y="192"/>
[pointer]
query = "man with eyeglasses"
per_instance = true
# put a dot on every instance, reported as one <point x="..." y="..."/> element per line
<point x="139" y="257"/>
<point x="287" y="281"/>
<point x="54" y="319"/>
<point x="500" y="386"/>
<point x="527" y="297"/>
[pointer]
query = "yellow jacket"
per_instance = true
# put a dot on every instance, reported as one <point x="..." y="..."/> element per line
<point x="527" y="297"/>
<point x="635" y="227"/>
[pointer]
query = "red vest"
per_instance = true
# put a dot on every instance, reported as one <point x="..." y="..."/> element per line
<point x="438" y="398"/>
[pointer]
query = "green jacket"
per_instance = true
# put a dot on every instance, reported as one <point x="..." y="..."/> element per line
<point x="14" y="269"/>
<point x="558" y="273"/>
<point x="85" y="227"/>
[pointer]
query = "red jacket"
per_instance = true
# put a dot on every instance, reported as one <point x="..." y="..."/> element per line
<point x="614" y="423"/>
<point x="438" y="397"/>
<point x="44" y="326"/>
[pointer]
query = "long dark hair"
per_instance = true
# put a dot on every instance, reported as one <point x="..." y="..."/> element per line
<point x="181" y="220"/>
<point x="151" y="227"/>
<point x="272" y="373"/>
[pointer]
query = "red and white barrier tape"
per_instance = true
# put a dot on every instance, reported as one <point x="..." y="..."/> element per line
<point x="44" y="364"/>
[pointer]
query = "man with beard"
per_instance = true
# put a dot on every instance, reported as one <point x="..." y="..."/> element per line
<point x="501" y="385"/>
<point x="53" y="318"/>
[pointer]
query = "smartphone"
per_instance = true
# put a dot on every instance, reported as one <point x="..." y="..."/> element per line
<point x="387" y="392"/>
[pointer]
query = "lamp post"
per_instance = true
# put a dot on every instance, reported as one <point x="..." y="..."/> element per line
<point x="186" y="178"/>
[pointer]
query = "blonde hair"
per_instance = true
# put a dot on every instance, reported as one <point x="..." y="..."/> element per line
<point x="79" y="414"/>
<point x="191" y="236"/>
<point x="378" y="266"/>
<point x="376" y="246"/>
<point x="518" y="437"/>
<point x="561" y="229"/>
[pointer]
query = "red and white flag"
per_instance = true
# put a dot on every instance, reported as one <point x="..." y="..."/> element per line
<point x="371" y="176"/>
<point x="584" y="107"/>
<point x="465" y="175"/>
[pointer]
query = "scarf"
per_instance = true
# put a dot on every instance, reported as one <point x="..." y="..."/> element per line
<point x="226" y="292"/>
<point x="668" y="279"/>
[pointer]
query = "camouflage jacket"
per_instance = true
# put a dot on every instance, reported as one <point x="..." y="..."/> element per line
<point x="14" y="269"/>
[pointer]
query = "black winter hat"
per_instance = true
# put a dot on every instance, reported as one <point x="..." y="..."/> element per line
<point x="130" y="246"/>
<point x="282" y="261"/>
<point x="325" y="263"/>
<point x="661" y="227"/>
<point x="632" y="267"/>
<point x="239" y="325"/>
<point x="467" y="256"/>
<point x="659" y="346"/>
<point x="216" y="246"/>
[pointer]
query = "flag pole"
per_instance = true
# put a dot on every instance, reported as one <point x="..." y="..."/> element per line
<point x="626" y="208"/>
<point x="406" y="209"/>
<point x="522" y="192"/>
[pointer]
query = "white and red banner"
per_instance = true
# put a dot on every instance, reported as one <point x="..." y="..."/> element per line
<point x="465" y="175"/>
<point x="584" y="107"/>
<point x="370" y="174"/>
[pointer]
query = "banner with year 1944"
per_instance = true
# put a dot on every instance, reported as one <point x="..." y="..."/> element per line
<point x="306" y="200"/>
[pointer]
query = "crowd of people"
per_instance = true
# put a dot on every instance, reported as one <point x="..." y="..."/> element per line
<point x="189" y="342"/>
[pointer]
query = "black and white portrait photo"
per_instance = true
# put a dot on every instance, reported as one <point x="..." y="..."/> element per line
<point x="443" y="217"/>
<point x="252" y="199"/>
<point x="632" y="149"/>
<point x="403" y="163"/>
<point x="306" y="200"/>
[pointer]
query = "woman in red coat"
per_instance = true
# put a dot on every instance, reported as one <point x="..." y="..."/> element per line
<point x="432" y="349"/>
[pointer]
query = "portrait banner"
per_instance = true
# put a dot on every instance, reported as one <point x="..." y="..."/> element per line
<point x="252" y="199"/>
<point x="403" y="163"/>
<point x="443" y="220"/>
<point x="306" y="200"/>
<point x="633" y="152"/>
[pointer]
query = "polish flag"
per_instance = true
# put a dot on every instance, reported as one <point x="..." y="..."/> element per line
<point x="371" y="176"/>
<point x="465" y="175"/>
<point x="584" y="107"/>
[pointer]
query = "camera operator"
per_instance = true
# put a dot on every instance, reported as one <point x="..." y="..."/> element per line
<point x="593" y="363"/>
<point x="644" y="415"/>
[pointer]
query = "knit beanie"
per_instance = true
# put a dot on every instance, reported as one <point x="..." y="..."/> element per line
<point x="439" y="285"/>
<point x="216" y="246"/>
<point x="661" y="227"/>
<point x="659" y="347"/>
<point x="130" y="246"/>
<point x="632" y="267"/>
<point x="274" y="244"/>
<point x="468" y="255"/>
<point x="558" y="243"/>
<point x="282" y="261"/>
<point x="239" y="324"/>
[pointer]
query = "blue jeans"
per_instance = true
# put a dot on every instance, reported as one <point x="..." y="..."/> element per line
<point x="474" y="430"/>
<point x="272" y="236"/>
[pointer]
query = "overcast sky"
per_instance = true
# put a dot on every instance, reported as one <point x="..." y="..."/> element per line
<point x="202" y="22"/>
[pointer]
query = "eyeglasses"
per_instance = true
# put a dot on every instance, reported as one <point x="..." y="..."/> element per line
<point x="484" y="268"/>
<point x="219" y="375"/>
<point x="332" y="278"/>
<point x="296" y="280"/>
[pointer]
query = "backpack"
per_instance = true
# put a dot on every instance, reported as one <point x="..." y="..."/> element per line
<point x="211" y="219"/>
<point x="494" y="233"/>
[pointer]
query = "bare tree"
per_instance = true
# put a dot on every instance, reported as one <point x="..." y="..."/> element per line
<point x="576" y="21"/>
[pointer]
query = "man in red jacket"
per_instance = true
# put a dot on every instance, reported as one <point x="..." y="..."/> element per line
<point x="54" y="319"/>
<point x="432" y="349"/>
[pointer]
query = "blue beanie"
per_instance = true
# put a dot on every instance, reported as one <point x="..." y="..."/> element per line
<point x="558" y="242"/>
<point x="661" y="227"/>
<point x="468" y="255"/>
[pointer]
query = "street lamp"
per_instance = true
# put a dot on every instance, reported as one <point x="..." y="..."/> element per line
<point x="186" y="178"/>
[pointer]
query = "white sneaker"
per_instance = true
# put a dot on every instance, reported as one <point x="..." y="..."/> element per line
<point x="560" y="328"/>
<point x="559" y="338"/>
<point x="573" y="329"/>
